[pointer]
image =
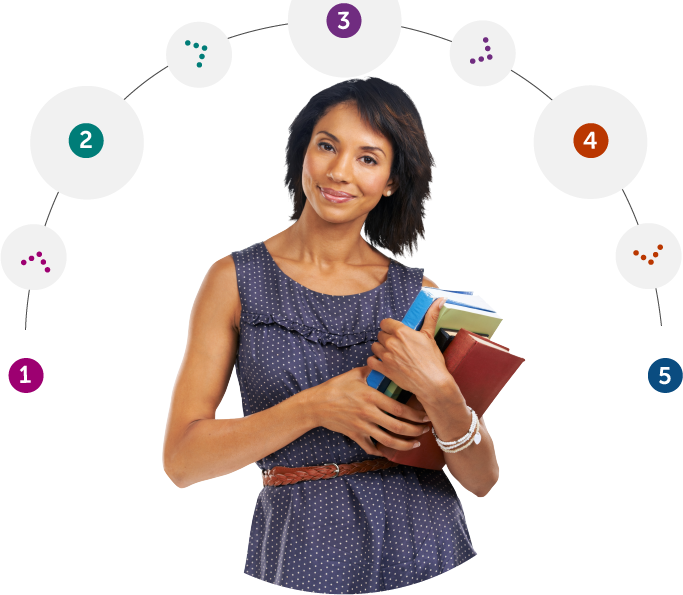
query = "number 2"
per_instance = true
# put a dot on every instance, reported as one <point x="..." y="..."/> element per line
<point x="85" y="140"/>
<point x="663" y="373"/>
<point x="344" y="20"/>
<point x="592" y="141"/>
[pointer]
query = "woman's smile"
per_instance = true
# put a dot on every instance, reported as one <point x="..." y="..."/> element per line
<point x="335" y="196"/>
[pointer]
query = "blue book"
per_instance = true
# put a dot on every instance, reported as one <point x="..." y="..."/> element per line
<point x="462" y="309"/>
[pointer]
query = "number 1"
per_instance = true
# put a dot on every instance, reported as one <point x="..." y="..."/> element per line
<point x="27" y="381"/>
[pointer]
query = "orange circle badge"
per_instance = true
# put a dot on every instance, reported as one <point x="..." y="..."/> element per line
<point x="591" y="140"/>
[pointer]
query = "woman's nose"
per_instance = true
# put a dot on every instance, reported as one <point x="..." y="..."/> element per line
<point x="340" y="168"/>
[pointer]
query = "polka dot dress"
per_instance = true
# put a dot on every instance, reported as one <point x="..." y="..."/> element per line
<point x="360" y="533"/>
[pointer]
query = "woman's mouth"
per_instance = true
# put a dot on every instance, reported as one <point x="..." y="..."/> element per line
<point x="337" y="197"/>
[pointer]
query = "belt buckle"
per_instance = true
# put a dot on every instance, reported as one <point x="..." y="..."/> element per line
<point x="336" y="472"/>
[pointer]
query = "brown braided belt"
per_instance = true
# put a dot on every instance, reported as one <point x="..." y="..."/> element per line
<point x="278" y="476"/>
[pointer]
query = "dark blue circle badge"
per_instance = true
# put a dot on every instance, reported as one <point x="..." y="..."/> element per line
<point x="665" y="375"/>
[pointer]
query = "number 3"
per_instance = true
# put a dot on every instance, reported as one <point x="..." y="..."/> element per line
<point x="663" y="373"/>
<point x="344" y="20"/>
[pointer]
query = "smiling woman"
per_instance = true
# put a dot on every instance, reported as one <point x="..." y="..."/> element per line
<point x="299" y="316"/>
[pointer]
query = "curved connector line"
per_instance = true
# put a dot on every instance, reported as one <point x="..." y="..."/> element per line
<point x="528" y="81"/>
<point x="629" y="204"/>
<point x="261" y="29"/>
<point x="432" y="34"/>
<point x="282" y="25"/>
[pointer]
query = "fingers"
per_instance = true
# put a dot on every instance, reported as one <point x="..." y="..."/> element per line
<point x="432" y="315"/>
<point x="367" y="445"/>
<point x="397" y="409"/>
<point x="394" y="441"/>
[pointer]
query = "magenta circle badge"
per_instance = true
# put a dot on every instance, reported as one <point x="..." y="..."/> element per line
<point x="343" y="20"/>
<point x="26" y="375"/>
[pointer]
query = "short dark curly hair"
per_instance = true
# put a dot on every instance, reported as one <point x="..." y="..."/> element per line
<point x="397" y="221"/>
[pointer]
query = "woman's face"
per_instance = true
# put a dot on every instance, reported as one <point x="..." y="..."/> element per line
<point x="346" y="167"/>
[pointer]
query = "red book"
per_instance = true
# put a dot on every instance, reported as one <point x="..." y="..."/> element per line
<point x="481" y="368"/>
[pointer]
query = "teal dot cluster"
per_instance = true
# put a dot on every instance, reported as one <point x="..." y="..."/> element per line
<point x="196" y="45"/>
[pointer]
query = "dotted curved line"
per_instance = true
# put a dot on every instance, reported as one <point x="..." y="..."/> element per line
<point x="283" y="25"/>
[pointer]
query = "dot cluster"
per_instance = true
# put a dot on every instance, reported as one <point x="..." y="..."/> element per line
<point x="32" y="258"/>
<point x="654" y="254"/>
<point x="481" y="58"/>
<point x="196" y="45"/>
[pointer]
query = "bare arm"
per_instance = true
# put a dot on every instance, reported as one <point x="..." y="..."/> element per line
<point x="475" y="468"/>
<point x="197" y="446"/>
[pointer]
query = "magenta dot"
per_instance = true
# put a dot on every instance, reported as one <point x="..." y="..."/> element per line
<point x="472" y="61"/>
<point x="30" y="257"/>
<point x="487" y="48"/>
<point x="481" y="59"/>
<point x="43" y="261"/>
<point x="489" y="56"/>
<point x="40" y="253"/>
<point x="23" y="262"/>
<point x="47" y="269"/>
<point x="486" y="39"/>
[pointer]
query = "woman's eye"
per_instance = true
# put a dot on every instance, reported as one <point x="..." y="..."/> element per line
<point x="324" y="146"/>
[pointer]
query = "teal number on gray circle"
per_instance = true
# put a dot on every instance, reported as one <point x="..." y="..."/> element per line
<point x="86" y="140"/>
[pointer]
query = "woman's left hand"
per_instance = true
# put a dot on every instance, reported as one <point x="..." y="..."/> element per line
<point x="412" y="358"/>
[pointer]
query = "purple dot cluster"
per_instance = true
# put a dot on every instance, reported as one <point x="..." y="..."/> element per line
<point x="42" y="261"/>
<point x="481" y="58"/>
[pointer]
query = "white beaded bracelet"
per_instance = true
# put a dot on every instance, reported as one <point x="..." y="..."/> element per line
<point x="472" y="435"/>
<point x="466" y="437"/>
<point x="453" y="449"/>
<point x="473" y="439"/>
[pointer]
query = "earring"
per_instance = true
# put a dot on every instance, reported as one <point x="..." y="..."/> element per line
<point x="388" y="192"/>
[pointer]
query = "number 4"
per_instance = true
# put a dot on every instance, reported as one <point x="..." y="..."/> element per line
<point x="590" y="140"/>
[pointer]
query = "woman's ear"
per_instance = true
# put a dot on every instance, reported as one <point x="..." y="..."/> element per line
<point x="390" y="189"/>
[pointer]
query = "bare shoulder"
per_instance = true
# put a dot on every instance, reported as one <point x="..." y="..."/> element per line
<point x="427" y="282"/>
<point x="218" y="295"/>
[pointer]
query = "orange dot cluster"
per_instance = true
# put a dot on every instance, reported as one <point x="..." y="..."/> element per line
<point x="655" y="254"/>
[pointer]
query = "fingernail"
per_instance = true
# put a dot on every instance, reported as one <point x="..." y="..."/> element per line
<point x="425" y="418"/>
<point x="425" y="430"/>
<point x="416" y="445"/>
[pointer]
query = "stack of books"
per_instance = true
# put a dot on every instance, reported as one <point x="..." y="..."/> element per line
<point x="480" y="367"/>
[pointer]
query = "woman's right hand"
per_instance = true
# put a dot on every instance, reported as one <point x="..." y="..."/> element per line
<point x="346" y="404"/>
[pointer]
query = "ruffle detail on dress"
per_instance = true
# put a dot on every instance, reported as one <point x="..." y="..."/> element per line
<point x="315" y="335"/>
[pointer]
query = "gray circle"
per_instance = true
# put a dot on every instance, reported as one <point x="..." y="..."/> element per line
<point x="645" y="238"/>
<point x="468" y="44"/>
<point x="561" y="163"/>
<point x="183" y="59"/>
<point x="106" y="172"/>
<point x="344" y="57"/>
<point x="25" y="242"/>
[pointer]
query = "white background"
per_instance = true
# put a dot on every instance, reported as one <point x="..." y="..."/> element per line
<point x="589" y="493"/>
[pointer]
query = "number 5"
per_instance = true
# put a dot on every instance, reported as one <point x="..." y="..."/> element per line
<point x="344" y="20"/>
<point x="663" y="373"/>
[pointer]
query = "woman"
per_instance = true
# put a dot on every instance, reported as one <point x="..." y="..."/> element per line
<point x="303" y="316"/>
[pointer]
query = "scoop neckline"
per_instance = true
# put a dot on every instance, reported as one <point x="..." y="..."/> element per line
<point x="348" y="295"/>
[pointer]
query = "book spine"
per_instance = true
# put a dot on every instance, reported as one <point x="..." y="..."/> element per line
<point x="414" y="318"/>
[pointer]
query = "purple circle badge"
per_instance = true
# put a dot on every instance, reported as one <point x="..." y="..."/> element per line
<point x="26" y="375"/>
<point x="343" y="20"/>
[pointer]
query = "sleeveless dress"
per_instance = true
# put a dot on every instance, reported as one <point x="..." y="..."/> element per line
<point x="361" y="533"/>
